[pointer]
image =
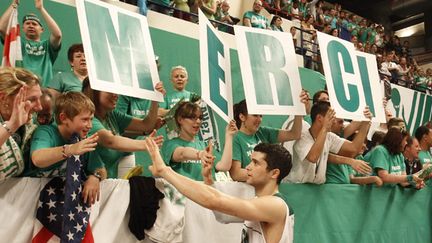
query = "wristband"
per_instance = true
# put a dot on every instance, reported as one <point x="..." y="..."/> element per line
<point x="410" y="180"/>
<point x="98" y="175"/>
<point x="5" y="126"/>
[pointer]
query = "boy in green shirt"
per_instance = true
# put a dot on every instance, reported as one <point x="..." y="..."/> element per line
<point x="49" y="149"/>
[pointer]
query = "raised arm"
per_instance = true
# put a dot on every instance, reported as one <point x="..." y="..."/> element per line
<point x="295" y="132"/>
<point x="351" y="149"/>
<point x="21" y="109"/>
<point x="226" y="161"/>
<point x="264" y="209"/>
<point x="317" y="148"/>
<point x="147" y="124"/>
<point x="54" y="29"/>
<point x="4" y="19"/>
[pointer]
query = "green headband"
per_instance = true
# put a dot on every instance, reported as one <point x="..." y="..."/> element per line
<point x="32" y="17"/>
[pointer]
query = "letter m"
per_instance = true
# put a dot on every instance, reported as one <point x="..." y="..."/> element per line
<point x="119" y="53"/>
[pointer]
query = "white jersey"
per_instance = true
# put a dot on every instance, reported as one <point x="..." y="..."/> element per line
<point x="252" y="231"/>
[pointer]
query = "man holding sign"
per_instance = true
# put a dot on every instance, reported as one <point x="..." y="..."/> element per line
<point x="313" y="149"/>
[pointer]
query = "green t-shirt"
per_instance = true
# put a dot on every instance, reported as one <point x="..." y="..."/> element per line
<point x="338" y="173"/>
<point x="256" y="20"/>
<point x="191" y="168"/>
<point x="380" y="158"/>
<point x="425" y="157"/>
<point x="172" y="98"/>
<point x="65" y="81"/>
<point x="364" y="35"/>
<point x="39" y="57"/>
<point x="48" y="136"/>
<point x="354" y="28"/>
<point x="116" y="122"/>
<point x="135" y="107"/>
<point x="243" y="144"/>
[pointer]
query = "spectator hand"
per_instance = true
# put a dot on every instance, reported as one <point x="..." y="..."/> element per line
<point x="160" y="88"/>
<point x="231" y="128"/>
<point x="158" y="167"/>
<point x="378" y="182"/>
<point x="361" y="167"/>
<point x="21" y="110"/>
<point x="39" y="4"/>
<point x="91" y="190"/>
<point x="367" y="113"/>
<point x="83" y="146"/>
<point x="157" y="139"/>
<point x="206" y="156"/>
<point x="329" y="119"/>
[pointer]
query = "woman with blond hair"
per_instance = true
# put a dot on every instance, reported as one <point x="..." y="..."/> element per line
<point x="20" y="94"/>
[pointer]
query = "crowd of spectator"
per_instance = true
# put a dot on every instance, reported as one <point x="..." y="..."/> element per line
<point x="395" y="61"/>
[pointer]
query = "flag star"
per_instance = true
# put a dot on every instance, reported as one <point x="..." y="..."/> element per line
<point x="50" y="191"/>
<point x="71" y="216"/>
<point x="78" y="227"/>
<point x="75" y="176"/>
<point x="40" y="204"/>
<point x="79" y="189"/>
<point x="70" y="235"/>
<point x="51" y="204"/>
<point x="77" y="158"/>
<point x="61" y="202"/>
<point x="79" y="208"/>
<point x="84" y="221"/>
<point x="73" y="195"/>
<point x="52" y="217"/>
<point x="88" y="210"/>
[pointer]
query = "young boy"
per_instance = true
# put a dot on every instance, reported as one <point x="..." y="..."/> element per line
<point x="49" y="148"/>
<point x="267" y="217"/>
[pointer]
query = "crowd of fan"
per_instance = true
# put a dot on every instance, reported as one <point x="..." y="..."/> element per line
<point x="395" y="61"/>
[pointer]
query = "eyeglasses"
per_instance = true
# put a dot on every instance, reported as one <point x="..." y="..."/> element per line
<point x="195" y="117"/>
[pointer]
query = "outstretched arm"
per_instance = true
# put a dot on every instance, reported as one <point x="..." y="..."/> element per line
<point x="124" y="144"/>
<point x="358" y="165"/>
<point x="45" y="157"/>
<point x="264" y="209"/>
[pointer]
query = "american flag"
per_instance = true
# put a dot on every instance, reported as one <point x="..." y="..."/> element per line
<point x="61" y="209"/>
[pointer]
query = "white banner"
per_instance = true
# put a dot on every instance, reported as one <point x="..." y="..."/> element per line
<point x="270" y="74"/>
<point x="342" y="77"/>
<point x="216" y="88"/>
<point x="118" y="49"/>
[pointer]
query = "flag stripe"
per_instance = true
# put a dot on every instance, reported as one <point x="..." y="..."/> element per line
<point x="42" y="236"/>
<point x="88" y="236"/>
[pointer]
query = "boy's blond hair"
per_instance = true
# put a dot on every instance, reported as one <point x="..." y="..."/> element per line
<point x="72" y="103"/>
